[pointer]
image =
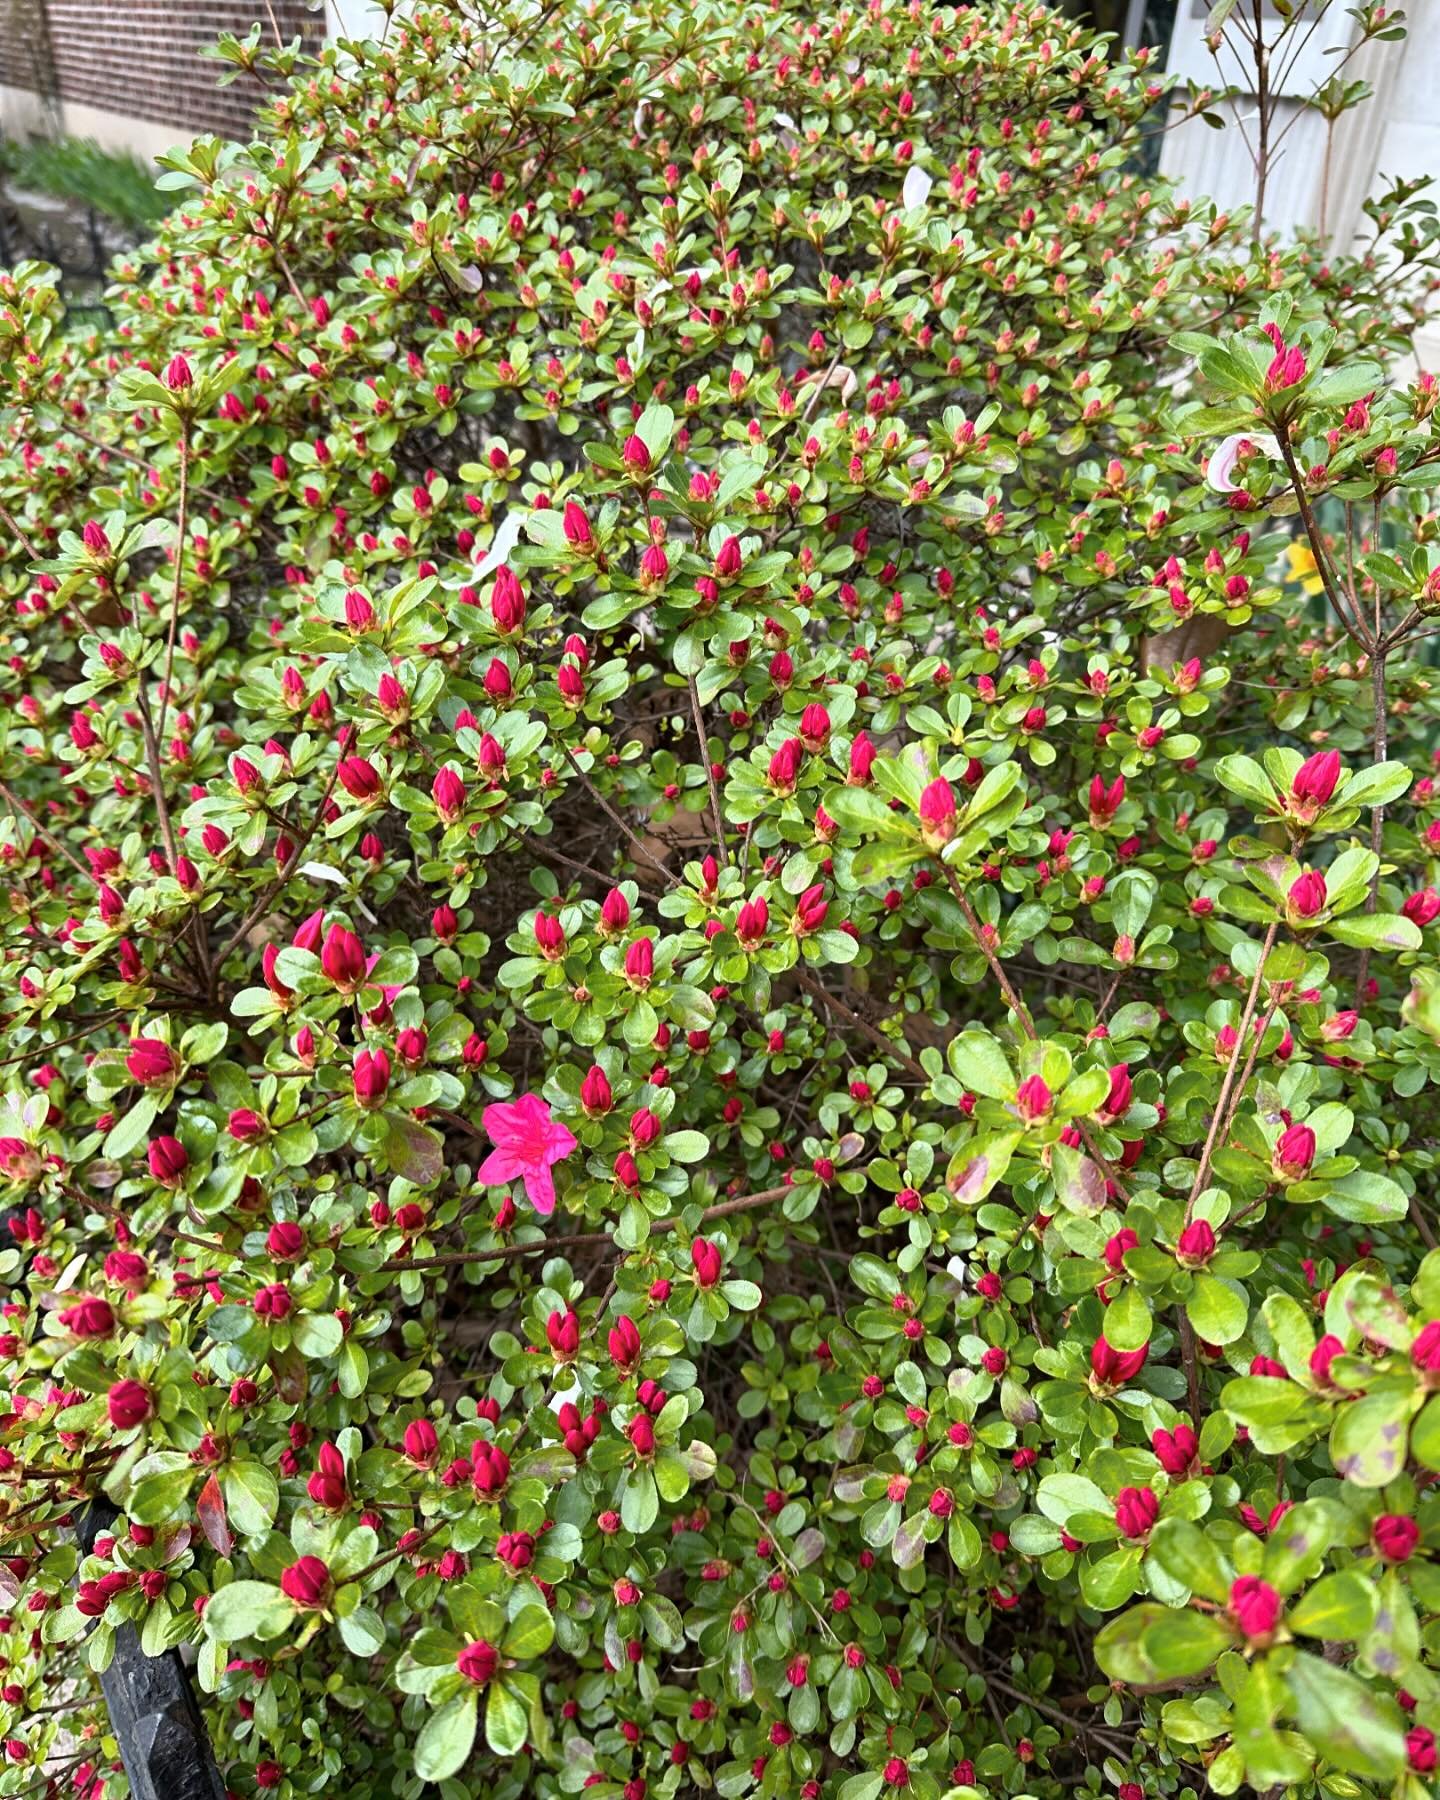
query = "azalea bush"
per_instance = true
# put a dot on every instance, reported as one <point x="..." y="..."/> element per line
<point x="722" y="900"/>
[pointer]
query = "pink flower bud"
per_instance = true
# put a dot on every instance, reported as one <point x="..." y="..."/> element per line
<point x="624" y="1344"/>
<point x="168" y="1161"/>
<point x="1293" y="1154"/>
<point x="562" y="1331"/>
<point x="752" y="921"/>
<point x="1307" y="896"/>
<point x="1421" y="908"/>
<point x="359" y="613"/>
<point x="1176" y="1449"/>
<point x="448" y="792"/>
<point x="1255" y="1607"/>
<point x="1122" y="1092"/>
<point x="1136" y="1510"/>
<point x="576" y="526"/>
<point x="507" y="602"/>
<point x="707" y="1263"/>
<point x="371" y="1077"/>
<point x="640" y="963"/>
<point x="306" y="1582"/>
<point x="1033" y="1099"/>
<point x="421" y="1444"/>
<point x="89" y="1319"/>
<point x="595" y="1092"/>
<point x="785" y="765"/>
<point x="1196" y="1244"/>
<point x="1112" y="1367"/>
<point x="549" y="936"/>
<point x="937" y="812"/>
<point x="728" y="561"/>
<point x="128" y="1404"/>
<point x="478" y="1661"/>
<point x="342" y="958"/>
<point x="151" y="1062"/>
<point x="1105" y="802"/>
<point x="1314" y="782"/>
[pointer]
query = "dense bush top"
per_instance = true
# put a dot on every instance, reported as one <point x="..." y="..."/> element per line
<point x="718" y="1016"/>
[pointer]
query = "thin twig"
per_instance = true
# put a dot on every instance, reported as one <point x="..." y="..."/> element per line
<point x="613" y="816"/>
<point x="698" y="711"/>
<point x="1220" y="1118"/>
<point x="579" y="1240"/>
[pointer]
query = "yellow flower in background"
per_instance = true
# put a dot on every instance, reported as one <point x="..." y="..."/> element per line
<point x="1301" y="566"/>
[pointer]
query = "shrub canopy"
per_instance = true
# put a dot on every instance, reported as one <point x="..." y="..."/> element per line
<point x="721" y="964"/>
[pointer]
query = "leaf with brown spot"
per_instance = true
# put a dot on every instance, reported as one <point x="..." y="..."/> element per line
<point x="210" y="1508"/>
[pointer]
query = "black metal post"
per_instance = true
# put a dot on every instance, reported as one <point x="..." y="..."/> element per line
<point x="163" y="1742"/>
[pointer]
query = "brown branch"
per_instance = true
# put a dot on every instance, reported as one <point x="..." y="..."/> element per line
<point x="877" y="1037"/>
<point x="579" y="1240"/>
<point x="613" y="816"/>
<point x="700" y="734"/>
<point x="1219" y="1118"/>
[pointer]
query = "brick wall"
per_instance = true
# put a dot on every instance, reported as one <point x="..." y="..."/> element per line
<point x="141" y="58"/>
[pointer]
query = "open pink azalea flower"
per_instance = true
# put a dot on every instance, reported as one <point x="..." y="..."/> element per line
<point x="528" y="1142"/>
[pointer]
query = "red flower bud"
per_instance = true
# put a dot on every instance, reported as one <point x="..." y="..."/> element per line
<point x="128" y="1404"/>
<point x="371" y="1077"/>
<point x="306" y="1582"/>
<point x="1293" y="1154"/>
<point x="1255" y="1607"/>
<point x="168" y="1161"/>
<point x="151" y="1062"/>
<point x="343" y="959"/>
<point x="706" y="1262"/>
<point x="285" y="1241"/>
<point x="1136" y="1510"/>
<point x="91" y="1318"/>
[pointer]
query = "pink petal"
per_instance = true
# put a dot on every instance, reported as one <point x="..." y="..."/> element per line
<point x="540" y="1189"/>
<point x="505" y="1126"/>
<point x="501" y="1166"/>
<point x="560" y="1142"/>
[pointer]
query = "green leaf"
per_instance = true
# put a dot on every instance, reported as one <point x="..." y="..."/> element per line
<point x="978" y="1062"/>
<point x="861" y="809"/>
<point x="127" y="1134"/>
<point x="1188" y="1557"/>
<point x="447" y="1738"/>
<point x="506" y="1723"/>
<point x="531" y="1633"/>
<point x="1346" y="1720"/>
<point x="1243" y="776"/>
<point x="1376" y="931"/>
<point x="1217" y="1309"/>
<point x="252" y="1496"/>
<point x="1128" y="1321"/>
<point x="1296" y="1549"/>
<point x="1339" y="1606"/>
<point x="363" y="1632"/>
<point x="1338" y="387"/>
<point x="1368" y="1442"/>
<point x="156" y="1498"/>
<point x="640" y="1503"/>
<point x="248" y="1609"/>
<point x="686" y="1146"/>
<point x="318" y="1335"/>
<point x="1185" y="1643"/>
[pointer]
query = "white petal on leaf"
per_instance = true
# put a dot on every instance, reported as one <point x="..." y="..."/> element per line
<point x="916" y="190"/>
<point x="507" y="536"/>
<point x="1223" y="457"/>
